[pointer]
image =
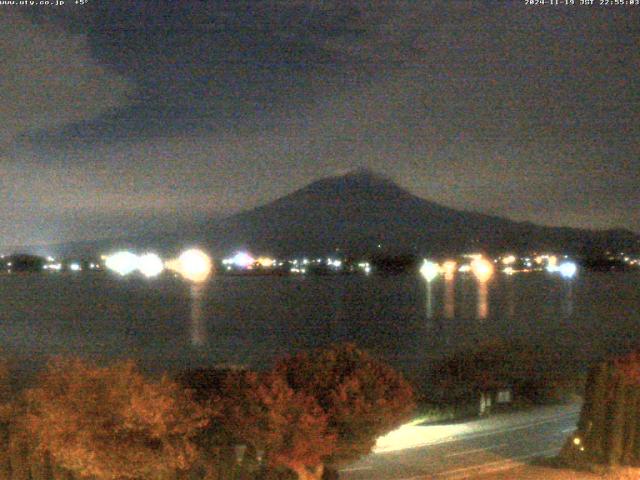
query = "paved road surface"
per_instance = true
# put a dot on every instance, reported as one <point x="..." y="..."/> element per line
<point x="466" y="450"/>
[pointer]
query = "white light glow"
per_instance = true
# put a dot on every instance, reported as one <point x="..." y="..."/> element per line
<point x="194" y="265"/>
<point x="243" y="260"/>
<point x="568" y="269"/>
<point x="122" y="262"/>
<point x="413" y="435"/>
<point x="429" y="270"/>
<point x="74" y="267"/>
<point x="150" y="265"/>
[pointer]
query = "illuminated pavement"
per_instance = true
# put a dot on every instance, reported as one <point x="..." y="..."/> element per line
<point x="469" y="449"/>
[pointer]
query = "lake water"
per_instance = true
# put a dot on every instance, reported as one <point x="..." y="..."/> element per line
<point x="168" y="324"/>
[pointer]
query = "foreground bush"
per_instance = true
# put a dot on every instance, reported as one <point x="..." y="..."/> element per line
<point x="288" y="426"/>
<point x="311" y="410"/>
<point x="361" y="397"/>
<point x="111" y="422"/>
<point x="609" y="426"/>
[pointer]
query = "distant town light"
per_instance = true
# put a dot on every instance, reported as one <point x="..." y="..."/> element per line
<point x="464" y="268"/>
<point x="122" y="262"/>
<point x="429" y="270"/>
<point x="150" y="265"/>
<point x="509" y="260"/>
<point x="568" y="269"/>
<point x="242" y="260"/>
<point x="449" y="268"/>
<point x="194" y="265"/>
<point x="482" y="269"/>
<point x="75" y="267"/>
<point x="266" y="262"/>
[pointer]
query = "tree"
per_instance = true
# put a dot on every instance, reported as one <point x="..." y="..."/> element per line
<point x="361" y="397"/>
<point x="112" y="423"/>
<point x="261" y="410"/>
<point x="609" y="426"/>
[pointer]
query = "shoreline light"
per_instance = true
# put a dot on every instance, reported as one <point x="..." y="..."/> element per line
<point x="242" y="259"/>
<point x="449" y="269"/>
<point x="568" y="269"/>
<point x="150" y="265"/>
<point x="123" y="262"/>
<point x="429" y="270"/>
<point x="482" y="269"/>
<point x="193" y="264"/>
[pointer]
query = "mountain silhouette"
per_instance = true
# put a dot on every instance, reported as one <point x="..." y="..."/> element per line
<point x="363" y="213"/>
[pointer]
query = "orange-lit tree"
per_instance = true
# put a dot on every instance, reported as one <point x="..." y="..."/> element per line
<point x="361" y="397"/>
<point x="111" y="422"/>
<point x="262" y="411"/>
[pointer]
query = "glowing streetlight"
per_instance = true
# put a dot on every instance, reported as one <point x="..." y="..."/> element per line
<point x="509" y="260"/>
<point x="122" y="262"/>
<point x="266" y="262"/>
<point x="482" y="269"/>
<point x="243" y="260"/>
<point x="429" y="270"/>
<point x="150" y="265"/>
<point x="194" y="265"/>
<point x="568" y="269"/>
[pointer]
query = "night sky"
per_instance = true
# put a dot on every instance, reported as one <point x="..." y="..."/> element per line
<point x="123" y="116"/>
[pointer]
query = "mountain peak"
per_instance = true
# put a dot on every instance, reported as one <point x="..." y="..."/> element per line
<point x="357" y="179"/>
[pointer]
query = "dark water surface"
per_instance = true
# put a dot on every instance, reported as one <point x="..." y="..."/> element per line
<point x="168" y="324"/>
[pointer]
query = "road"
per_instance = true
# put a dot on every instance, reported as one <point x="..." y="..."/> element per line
<point x="466" y="450"/>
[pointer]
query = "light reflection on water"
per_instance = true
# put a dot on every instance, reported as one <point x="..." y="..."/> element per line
<point x="482" y="310"/>
<point x="169" y="324"/>
<point x="449" y="308"/>
<point x="197" y="326"/>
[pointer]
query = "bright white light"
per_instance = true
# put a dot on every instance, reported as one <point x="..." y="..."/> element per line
<point x="74" y="267"/>
<point x="334" y="263"/>
<point x="150" y="265"/>
<point x="464" y="268"/>
<point x="429" y="270"/>
<point x="568" y="269"/>
<point x="508" y="270"/>
<point x="413" y="435"/>
<point x="194" y="265"/>
<point x="122" y="262"/>
<point x="242" y="259"/>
